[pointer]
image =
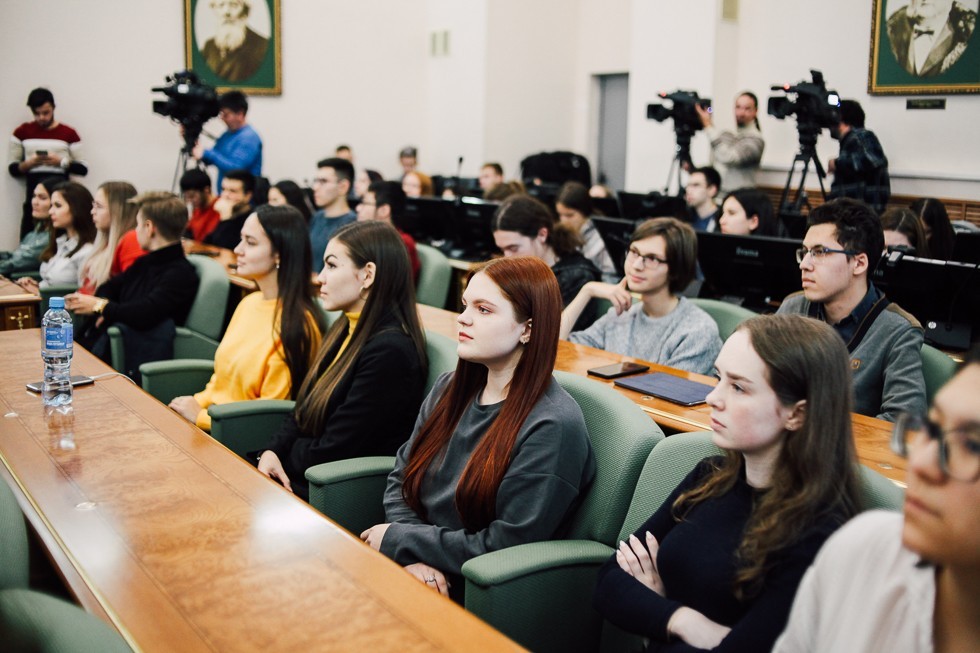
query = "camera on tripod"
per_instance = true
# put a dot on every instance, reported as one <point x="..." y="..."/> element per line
<point x="681" y="110"/>
<point x="814" y="106"/>
<point x="189" y="102"/>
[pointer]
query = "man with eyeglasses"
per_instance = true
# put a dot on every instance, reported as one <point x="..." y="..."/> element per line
<point x="240" y="147"/>
<point x="663" y="326"/>
<point x="843" y="244"/>
<point x="907" y="582"/>
<point x="334" y="177"/>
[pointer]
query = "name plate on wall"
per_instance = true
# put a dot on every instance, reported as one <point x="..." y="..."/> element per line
<point x="926" y="103"/>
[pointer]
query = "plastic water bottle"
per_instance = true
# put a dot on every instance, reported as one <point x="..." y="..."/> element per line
<point x="57" y="342"/>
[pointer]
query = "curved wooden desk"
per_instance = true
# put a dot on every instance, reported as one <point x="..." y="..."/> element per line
<point x="181" y="545"/>
<point x="871" y="436"/>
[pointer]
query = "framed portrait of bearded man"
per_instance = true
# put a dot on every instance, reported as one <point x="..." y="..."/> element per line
<point x="921" y="47"/>
<point x="234" y="44"/>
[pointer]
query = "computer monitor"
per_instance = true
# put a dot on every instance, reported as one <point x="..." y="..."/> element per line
<point x="429" y="220"/>
<point x="607" y="206"/>
<point x="475" y="237"/>
<point x="754" y="271"/>
<point x="943" y="295"/>
<point x="637" y="206"/>
<point x="966" y="247"/>
<point x="616" y="234"/>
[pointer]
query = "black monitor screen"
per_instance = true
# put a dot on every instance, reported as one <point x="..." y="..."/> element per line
<point x="429" y="220"/>
<point x="942" y="295"/>
<point x="966" y="247"/>
<point x="607" y="206"/>
<point x="473" y="221"/>
<point x="755" y="271"/>
<point x="616" y="234"/>
<point x="636" y="206"/>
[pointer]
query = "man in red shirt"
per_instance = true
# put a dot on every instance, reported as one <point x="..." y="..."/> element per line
<point x="195" y="187"/>
<point x="43" y="148"/>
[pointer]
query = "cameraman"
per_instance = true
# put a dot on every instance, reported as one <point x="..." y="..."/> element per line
<point x="861" y="169"/>
<point x="737" y="154"/>
<point x="239" y="148"/>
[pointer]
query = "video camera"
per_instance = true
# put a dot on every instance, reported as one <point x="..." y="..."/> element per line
<point x="189" y="102"/>
<point x="815" y="107"/>
<point x="681" y="110"/>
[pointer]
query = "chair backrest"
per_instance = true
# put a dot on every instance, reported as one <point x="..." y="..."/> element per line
<point x="937" y="369"/>
<point x="670" y="461"/>
<point x="14" y="564"/>
<point x="435" y="274"/>
<point x="727" y="316"/>
<point x="32" y="621"/>
<point x="622" y="437"/>
<point x="441" y="352"/>
<point x="878" y="492"/>
<point x="207" y="314"/>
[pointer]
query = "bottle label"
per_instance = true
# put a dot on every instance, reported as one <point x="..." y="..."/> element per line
<point x="58" y="337"/>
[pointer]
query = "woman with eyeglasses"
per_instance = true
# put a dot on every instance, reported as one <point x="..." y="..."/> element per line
<point x="907" y="582"/>
<point x="663" y="326"/>
<point x="116" y="245"/>
<point x="717" y="565"/>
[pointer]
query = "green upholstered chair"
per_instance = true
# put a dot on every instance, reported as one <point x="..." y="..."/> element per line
<point x="35" y="622"/>
<point x="538" y="594"/>
<point x="168" y="379"/>
<point x="202" y="330"/>
<point x="245" y="426"/>
<point x="937" y="369"/>
<point x="435" y="275"/>
<point x="14" y="567"/>
<point x="673" y="459"/>
<point x="727" y="316"/>
<point x="441" y="353"/>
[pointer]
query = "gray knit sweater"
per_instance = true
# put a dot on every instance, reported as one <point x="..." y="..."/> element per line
<point x="686" y="338"/>
<point x="886" y="363"/>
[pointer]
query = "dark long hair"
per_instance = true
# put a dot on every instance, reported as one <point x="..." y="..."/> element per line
<point x="527" y="216"/>
<point x="300" y="321"/>
<point x="935" y="220"/>
<point x="907" y="223"/>
<point x="530" y="286"/>
<point x="295" y="197"/>
<point x="79" y="201"/>
<point x="815" y="474"/>
<point x="391" y="294"/>
<point x="756" y="203"/>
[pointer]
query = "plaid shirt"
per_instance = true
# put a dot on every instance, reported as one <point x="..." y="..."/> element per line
<point x="861" y="170"/>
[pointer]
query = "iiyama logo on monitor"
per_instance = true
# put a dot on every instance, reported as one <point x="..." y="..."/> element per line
<point x="750" y="253"/>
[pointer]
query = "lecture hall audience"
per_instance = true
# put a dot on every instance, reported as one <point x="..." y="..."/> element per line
<point x="663" y="326"/>
<point x="717" y="565"/>
<point x="71" y="238"/>
<point x="116" y="245"/>
<point x="275" y="332"/>
<point x="500" y="452"/>
<point x="27" y="256"/>
<point x="574" y="207"/>
<point x="362" y="393"/>
<point x="843" y="243"/>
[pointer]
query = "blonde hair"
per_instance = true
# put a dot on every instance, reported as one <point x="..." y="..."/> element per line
<point x="122" y="218"/>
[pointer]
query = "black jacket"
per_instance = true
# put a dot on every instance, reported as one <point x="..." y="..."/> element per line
<point x="371" y="413"/>
<point x="574" y="271"/>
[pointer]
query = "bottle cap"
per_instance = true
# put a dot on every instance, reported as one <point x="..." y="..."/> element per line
<point x="56" y="302"/>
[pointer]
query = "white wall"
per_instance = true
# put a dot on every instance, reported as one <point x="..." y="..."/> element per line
<point x="518" y="79"/>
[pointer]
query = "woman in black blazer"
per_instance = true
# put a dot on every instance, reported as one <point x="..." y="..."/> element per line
<point x="362" y="394"/>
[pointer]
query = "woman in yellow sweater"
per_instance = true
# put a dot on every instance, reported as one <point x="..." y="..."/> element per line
<point x="275" y="332"/>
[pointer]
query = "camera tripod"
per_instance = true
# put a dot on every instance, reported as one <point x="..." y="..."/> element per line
<point x="790" y="213"/>
<point x="191" y="133"/>
<point x="681" y="158"/>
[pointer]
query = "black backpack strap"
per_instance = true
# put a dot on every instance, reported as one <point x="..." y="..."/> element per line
<point x="866" y="323"/>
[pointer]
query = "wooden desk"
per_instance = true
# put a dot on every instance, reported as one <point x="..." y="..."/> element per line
<point x="225" y="257"/>
<point x="181" y="545"/>
<point x="871" y="436"/>
<point x="18" y="307"/>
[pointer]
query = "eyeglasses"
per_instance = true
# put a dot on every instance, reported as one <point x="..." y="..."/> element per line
<point x="649" y="260"/>
<point x="819" y="252"/>
<point x="959" y="449"/>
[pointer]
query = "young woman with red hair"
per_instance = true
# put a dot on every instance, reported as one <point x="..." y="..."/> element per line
<point x="500" y="452"/>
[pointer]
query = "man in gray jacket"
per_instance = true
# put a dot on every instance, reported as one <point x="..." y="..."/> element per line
<point x="842" y="246"/>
